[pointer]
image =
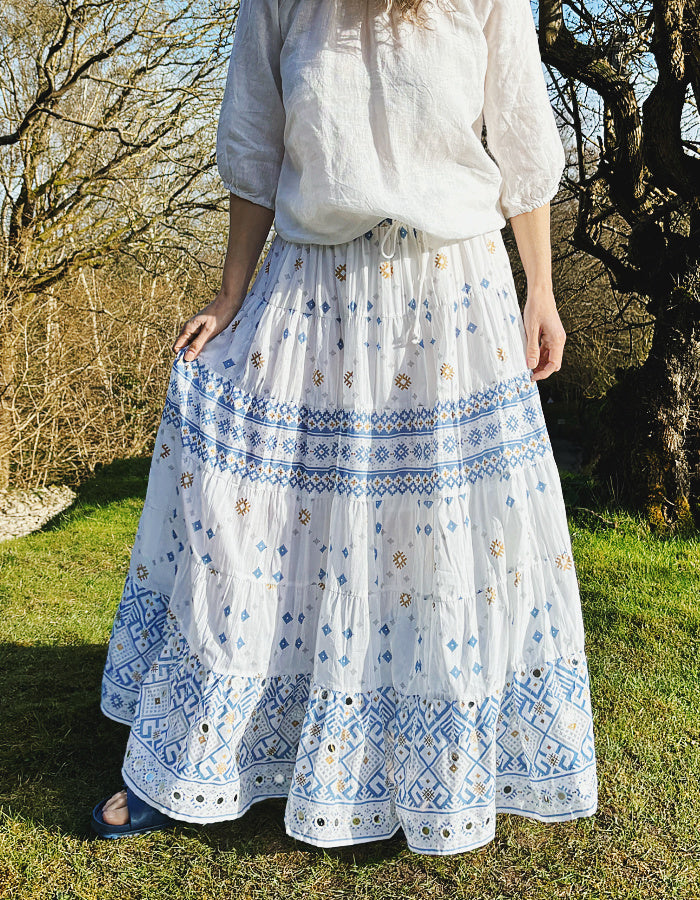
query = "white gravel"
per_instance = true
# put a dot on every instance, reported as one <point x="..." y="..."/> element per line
<point x="24" y="511"/>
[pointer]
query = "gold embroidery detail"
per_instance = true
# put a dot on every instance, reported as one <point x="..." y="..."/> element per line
<point x="400" y="559"/>
<point x="497" y="548"/>
<point x="491" y="246"/>
<point x="257" y="359"/>
<point x="186" y="479"/>
<point x="348" y="378"/>
<point x="405" y="599"/>
<point x="501" y="353"/>
<point x="142" y="572"/>
<point x="298" y="263"/>
<point x="402" y="381"/>
<point x="242" y="506"/>
<point x="304" y="516"/>
<point x="447" y="371"/>
<point x="340" y="272"/>
<point x="440" y="261"/>
<point x="386" y="269"/>
<point x="564" y="561"/>
<point x="317" y="377"/>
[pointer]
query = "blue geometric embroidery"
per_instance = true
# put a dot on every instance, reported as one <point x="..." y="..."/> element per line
<point x="358" y="766"/>
<point x="354" y="766"/>
<point x="342" y="435"/>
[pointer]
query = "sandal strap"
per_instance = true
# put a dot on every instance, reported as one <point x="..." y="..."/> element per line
<point x="141" y="815"/>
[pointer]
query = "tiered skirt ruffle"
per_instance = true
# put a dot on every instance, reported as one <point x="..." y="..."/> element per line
<point x="352" y="583"/>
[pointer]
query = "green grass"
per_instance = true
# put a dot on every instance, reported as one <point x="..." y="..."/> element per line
<point x="59" y="589"/>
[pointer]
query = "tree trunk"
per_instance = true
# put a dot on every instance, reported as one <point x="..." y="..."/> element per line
<point x="649" y="436"/>
<point x="7" y="394"/>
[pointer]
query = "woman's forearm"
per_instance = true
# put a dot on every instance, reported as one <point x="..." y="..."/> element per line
<point x="532" y="235"/>
<point x="543" y="327"/>
<point x="249" y="226"/>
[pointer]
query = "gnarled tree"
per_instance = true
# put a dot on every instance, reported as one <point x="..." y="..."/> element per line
<point x="628" y="83"/>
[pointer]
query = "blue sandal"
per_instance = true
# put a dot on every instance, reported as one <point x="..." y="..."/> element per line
<point x="142" y="818"/>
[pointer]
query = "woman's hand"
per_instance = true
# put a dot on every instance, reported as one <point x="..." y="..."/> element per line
<point x="545" y="333"/>
<point x="206" y="324"/>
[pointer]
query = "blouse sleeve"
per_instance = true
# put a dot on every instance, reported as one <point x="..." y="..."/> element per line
<point x="250" y="133"/>
<point x="521" y="131"/>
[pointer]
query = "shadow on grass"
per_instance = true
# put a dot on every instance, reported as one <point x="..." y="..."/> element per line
<point x="122" y="479"/>
<point x="59" y="755"/>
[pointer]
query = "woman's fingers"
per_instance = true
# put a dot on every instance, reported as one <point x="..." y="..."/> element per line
<point x="196" y="333"/>
<point x="533" y="347"/>
<point x="206" y="324"/>
<point x="207" y="330"/>
<point x="551" y="353"/>
<point x="545" y="341"/>
<point x="189" y="329"/>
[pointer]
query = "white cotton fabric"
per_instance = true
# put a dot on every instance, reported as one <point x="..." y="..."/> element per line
<point x="335" y="117"/>
<point x="352" y="584"/>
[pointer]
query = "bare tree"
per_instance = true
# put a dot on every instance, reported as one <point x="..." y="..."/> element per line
<point x="627" y="79"/>
<point x="107" y="130"/>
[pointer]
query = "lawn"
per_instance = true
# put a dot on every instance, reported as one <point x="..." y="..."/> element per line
<point x="59" y="589"/>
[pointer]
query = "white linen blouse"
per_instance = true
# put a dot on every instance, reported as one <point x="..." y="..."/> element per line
<point x="336" y="118"/>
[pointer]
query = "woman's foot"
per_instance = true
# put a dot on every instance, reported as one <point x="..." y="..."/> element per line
<point x="115" y="811"/>
<point x="125" y="814"/>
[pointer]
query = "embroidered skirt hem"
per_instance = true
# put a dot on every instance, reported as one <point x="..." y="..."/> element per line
<point x="352" y="584"/>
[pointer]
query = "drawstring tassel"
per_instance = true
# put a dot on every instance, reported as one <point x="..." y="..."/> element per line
<point x="391" y="233"/>
<point x="415" y="334"/>
<point x="389" y="237"/>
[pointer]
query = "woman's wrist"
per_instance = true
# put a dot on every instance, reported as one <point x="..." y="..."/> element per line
<point x="229" y="298"/>
<point x="541" y="292"/>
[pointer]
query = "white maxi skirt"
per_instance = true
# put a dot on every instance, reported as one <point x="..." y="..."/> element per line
<point x="352" y="583"/>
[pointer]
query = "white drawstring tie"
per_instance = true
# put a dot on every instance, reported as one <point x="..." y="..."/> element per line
<point x="390" y="235"/>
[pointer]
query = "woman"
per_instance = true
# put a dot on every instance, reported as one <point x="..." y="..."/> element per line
<point x="352" y="584"/>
